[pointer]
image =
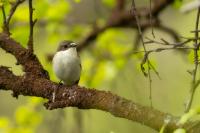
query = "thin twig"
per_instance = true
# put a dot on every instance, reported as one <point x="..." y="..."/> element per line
<point x="139" y="31"/>
<point x="166" y="43"/>
<point x="31" y="25"/>
<point x="134" y="10"/>
<point x="13" y="9"/>
<point x="170" y="31"/>
<point x="137" y="39"/>
<point x="8" y="18"/>
<point x="4" y="15"/>
<point x="196" y="63"/>
<point x="5" y="26"/>
<point x="150" y="15"/>
<point x="163" y="49"/>
<point x="150" y="85"/>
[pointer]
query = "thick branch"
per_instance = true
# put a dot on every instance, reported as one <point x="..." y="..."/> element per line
<point x="159" y="5"/>
<point x="24" y="57"/>
<point x="84" y="98"/>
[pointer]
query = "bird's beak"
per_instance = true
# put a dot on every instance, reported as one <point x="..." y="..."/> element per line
<point x="73" y="44"/>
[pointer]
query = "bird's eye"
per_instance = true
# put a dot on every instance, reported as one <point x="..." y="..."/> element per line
<point x="65" y="46"/>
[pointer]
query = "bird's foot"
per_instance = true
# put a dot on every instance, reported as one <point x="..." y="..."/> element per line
<point x="55" y="91"/>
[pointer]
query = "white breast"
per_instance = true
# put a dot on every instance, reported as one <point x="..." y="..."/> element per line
<point x="67" y="66"/>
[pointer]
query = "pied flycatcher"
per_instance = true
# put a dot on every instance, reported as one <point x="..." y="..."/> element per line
<point x="67" y="64"/>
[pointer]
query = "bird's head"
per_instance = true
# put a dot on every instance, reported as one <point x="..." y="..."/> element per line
<point x="66" y="44"/>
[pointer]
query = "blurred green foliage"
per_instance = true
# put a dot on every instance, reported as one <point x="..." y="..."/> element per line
<point x="109" y="3"/>
<point x="77" y="1"/>
<point x="178" y="3"/>
<point x="26" y="119"/>
<point x="180" y="130"/>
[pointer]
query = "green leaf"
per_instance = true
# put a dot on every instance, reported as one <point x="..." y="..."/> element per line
<point x="1" y="4"/>
<point x="162" y="129"/>
<point x="77" y="1"/>
<point x="109" y="3"/>
<point x="22" y="14"/>
<point x="177" y="4"/>
<point x="20" y="33"/>
<point x="27" y="117"/>
<point x="119" y="63"/>
<point x="112" y="44"/>
<point x="34" y="101"/>
<point x="110" y="71"/>
<point x="180" y="130"/>
<point x="57" y="10"/>
<point x="21" y="130"/>
<point x="12" y="1"/>
<point x="188" y="116"/>
<point x="4" y="122"/>
<point x="99" y="74"/>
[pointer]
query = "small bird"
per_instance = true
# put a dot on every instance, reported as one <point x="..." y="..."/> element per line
<point x="66" y="63"/>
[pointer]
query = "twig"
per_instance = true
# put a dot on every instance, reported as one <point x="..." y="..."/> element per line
<point x="170" y="31"/>
<point x="166" y="43"/>
<point x="4" y="15"/>
<point x="137" y="39"/>
<point x="196" y="63"/>
<point x="163" y="49"/>
<point x="31" y="25"/>
<point x="147" y="53"/>
<point x="134" y="10"/>
<point x="5" y="26"/>
<point x="150" y="85"/>
<point x="150" y="16"/>
<point x="12" y="11"/>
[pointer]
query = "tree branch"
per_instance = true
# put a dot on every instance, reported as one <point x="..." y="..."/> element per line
<point x="125" y="19"/>
<point x="4" y="15"/>
<point x="12" y="11"/>
<point x="170" y="31"/>
<point x="196" y="64"/>
<point x="31" y="25"/>
<point x="24" y="57"/>
<point x="83" y="98"/>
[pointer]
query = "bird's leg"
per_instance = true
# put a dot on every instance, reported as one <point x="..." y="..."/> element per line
<point x="75" y="84"/>
<point x="55" y="90"/>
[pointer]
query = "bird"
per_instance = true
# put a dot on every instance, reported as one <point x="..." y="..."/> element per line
<point x="67" y="63"/>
